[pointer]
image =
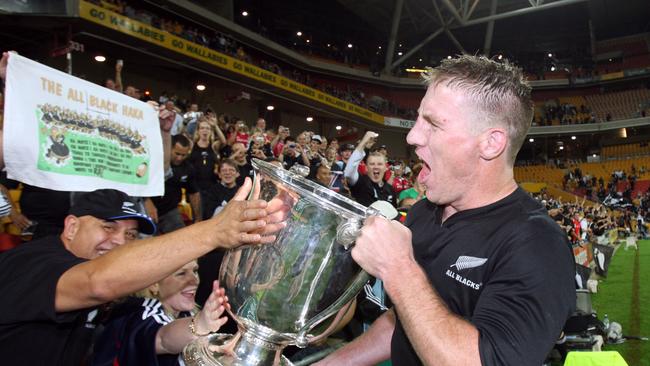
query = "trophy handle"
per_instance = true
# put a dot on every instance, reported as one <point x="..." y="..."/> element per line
<point x="252" y="192"/>
<point x="352" y="290"/>
<point x="347" y="232"/>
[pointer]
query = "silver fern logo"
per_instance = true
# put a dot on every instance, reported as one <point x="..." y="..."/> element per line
<point x="467" y="262"/>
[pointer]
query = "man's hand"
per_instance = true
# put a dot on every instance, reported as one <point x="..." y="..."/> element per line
<point x="259" y="154"/>
<point x="3" y="65"/>
<point x="247" y="221"/>
<point x="166" y="119"/>
<point x="236" y="154"/>
<point x="21" y="221"/>
<point x="367" y="141"/>
<point x="383" y="248"/>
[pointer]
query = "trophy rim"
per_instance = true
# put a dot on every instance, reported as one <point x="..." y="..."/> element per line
<point x="323" y="195"/>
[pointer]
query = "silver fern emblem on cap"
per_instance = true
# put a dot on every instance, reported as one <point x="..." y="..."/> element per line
<point x="466" y="262"/>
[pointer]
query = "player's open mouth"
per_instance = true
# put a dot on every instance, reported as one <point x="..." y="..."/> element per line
<point x="424" y="173"/>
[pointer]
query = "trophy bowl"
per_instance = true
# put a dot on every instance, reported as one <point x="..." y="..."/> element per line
<point x="296" y="290"/>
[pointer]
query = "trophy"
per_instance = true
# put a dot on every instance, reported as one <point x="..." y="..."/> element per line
<point x="296" y="290"/>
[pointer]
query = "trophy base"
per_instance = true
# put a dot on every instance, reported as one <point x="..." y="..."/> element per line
<point x="221" y="349"/>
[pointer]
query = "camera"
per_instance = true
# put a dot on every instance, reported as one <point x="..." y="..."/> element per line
<point x="30" y="230"/>
<point x="192" y="115"/>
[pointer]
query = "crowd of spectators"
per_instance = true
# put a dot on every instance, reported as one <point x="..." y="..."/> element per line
<point x="591" y="223"/>
<point x="565" y="114"/>
<point x="225" y="43"/>
<point x="616" y="189"/>
<point x="212" y="138"/>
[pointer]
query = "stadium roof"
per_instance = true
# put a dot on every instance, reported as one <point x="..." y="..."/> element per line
<point x="524" y="30"/>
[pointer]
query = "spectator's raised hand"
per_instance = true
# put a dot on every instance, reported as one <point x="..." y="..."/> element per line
<point x="236" y="153"/>
<point x="3" y="65"/>
<point x="369" y="139"/>
<point x="210" y="318"/>
<point x="165" y="116"/>
<point x="259" y="154"/>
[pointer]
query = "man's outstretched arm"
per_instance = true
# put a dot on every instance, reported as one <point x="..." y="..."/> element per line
<point x="370" y="348"/>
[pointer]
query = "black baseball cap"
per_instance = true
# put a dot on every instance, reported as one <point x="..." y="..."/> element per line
<point x="111" y="204"/>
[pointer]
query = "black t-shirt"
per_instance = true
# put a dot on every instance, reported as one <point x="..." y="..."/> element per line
<point x="183" y="177"/>
<point x="129" y="338"/>
<point x="31" y="331"/>
<point x="288" y="161"/>
<point x="203" y="160"/>
<point x="505" y="267"/>
<point x="216" y="197"/>
<point x="245" y="170"/>
<point x="366" y="192"/>
<point x="46" y="207"/>
<point x="225" y="151"/>
<point x="598" y="228"/>
<point x="338" y="167"/>
<point x="213" y="199"/>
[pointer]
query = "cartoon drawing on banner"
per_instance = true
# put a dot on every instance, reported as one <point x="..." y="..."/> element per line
<point x="90" y="145"/>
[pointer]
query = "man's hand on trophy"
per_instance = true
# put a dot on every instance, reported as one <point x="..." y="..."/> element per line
<point x="241" y="221"/>
<point x="278" y="210"/>
<point x="245" y="221"/>
<point x="383" y="247"/>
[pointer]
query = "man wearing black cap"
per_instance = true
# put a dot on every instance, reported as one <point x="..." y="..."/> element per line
<point x="51" y="287"/>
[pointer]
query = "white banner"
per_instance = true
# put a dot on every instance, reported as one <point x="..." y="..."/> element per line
<point x="67" y="134"/>
<point x="397" y="122"/>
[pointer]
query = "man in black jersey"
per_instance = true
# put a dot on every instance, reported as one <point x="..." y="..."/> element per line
<point x="480" y="274"/>
<point x="164" y="209"/>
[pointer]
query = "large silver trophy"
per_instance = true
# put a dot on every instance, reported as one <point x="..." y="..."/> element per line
<point x="296" y="290"/>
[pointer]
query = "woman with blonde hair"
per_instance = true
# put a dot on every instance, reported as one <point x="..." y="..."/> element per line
<point x="205" y="152"/>
<point x="154" y="329"/>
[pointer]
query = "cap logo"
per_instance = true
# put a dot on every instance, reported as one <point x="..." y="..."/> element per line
<point x="127" y="207"/>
